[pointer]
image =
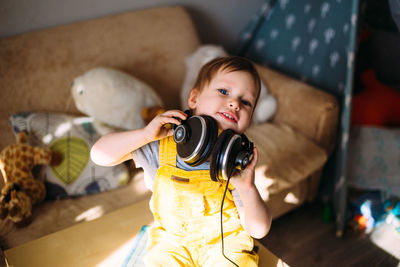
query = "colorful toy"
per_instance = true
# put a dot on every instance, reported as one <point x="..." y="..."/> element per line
<point x="377" y="105"/>
<point x="370" y="211"/>
<point x="21" y="190"/>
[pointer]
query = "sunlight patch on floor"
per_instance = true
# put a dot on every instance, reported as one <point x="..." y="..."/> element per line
<point x="386" y="238"/>
<point x="90" y="214"/>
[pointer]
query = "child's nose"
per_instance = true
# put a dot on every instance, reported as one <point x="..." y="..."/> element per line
<point x="234" y="104"/>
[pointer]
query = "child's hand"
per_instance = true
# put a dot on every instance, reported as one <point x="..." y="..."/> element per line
<point x="157" y="128"/>
<point x="245" y="178"/>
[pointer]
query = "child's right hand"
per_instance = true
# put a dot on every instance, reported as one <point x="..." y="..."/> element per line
<point x="157" y="128"/>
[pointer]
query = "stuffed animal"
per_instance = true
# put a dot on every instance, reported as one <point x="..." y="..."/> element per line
<point x="114" y="99"/>
<point x="21" y="190"/>
<point x="267" y="104"/>
<point x="377" y="105"/>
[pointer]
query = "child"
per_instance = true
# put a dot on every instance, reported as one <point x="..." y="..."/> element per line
<point x="186" y="211"/>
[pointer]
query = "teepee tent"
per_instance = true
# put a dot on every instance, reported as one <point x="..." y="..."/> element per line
<point x="315" y="42"/>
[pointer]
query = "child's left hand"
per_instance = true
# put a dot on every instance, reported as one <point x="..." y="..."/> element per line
<point x="253" y="212"/>
<point x="245" y="177"/>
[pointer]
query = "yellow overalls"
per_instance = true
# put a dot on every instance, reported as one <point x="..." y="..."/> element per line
<point x="186" y="208"/>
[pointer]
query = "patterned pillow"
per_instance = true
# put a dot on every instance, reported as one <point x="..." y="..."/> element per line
<point x="73" y="137"/>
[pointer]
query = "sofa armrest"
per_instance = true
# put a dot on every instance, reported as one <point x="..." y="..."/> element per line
<point x="312" y="112"/>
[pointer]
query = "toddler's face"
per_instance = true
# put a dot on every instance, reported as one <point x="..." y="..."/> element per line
<point x="229" y="98"/>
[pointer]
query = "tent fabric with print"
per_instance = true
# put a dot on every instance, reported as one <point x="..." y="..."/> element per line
<point x="313" y="41"/>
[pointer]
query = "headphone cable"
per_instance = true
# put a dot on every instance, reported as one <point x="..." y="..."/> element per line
<point x="221" y="222"/>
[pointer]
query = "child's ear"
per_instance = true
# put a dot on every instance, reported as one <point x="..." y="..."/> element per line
<point x="192" y="100"/>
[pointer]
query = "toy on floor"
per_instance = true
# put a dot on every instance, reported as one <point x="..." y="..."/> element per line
<point x="377" y="105"/>
<point x="114" y="99"/>
<point x="370" y="211"/>
<point x="21" y="190"/>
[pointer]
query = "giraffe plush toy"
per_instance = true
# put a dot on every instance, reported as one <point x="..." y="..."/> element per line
<point x="21" y="190"/>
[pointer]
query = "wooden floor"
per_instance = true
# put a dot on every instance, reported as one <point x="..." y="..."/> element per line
<point x="301" y="238"/>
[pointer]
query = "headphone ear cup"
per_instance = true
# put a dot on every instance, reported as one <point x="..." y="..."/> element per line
<point x="211" y="137"/>
<point x="218" y="153"/>
<point x="200" y="134"/>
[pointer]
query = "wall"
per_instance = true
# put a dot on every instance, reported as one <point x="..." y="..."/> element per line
<point x="218" y="22"/>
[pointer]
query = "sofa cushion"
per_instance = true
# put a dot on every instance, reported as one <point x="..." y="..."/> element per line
<point x="286" y="157"/>
<point x="73" y="137"/>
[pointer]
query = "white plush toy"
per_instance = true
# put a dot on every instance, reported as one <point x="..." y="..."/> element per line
<point x="113" y="98"/>
<point x="267" y="103"/>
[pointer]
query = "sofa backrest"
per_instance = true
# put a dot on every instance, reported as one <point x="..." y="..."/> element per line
<point x="37" y="68"/>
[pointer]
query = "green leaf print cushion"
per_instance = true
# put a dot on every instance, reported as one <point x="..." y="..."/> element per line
<point x="72" y="137"/>
<point x="75" y="153"/>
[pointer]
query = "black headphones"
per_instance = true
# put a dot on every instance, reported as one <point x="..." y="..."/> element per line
<point x="197" y="138"/>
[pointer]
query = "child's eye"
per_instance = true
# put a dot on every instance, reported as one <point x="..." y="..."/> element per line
<point x="246" y="103"/>
<point x="223" y="91"/>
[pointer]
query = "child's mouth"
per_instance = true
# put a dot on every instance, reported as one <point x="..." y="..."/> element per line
<point x="228" y="117"/>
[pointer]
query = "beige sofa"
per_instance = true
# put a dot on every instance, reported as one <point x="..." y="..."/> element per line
<point x="36" y="70"/>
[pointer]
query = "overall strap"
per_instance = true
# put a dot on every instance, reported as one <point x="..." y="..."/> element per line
<point x="167" y="151"/>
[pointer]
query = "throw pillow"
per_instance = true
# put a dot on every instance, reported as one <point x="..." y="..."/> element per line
<point x="73" y="137"/>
